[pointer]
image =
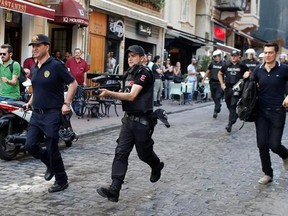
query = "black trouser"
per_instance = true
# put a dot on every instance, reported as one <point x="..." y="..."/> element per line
<point x="138" y="133"/>
<point x="231" y="103"/>
<point x="46" y="124"/>
<point x="269" y="129"/>
<point x="216" y="94"/>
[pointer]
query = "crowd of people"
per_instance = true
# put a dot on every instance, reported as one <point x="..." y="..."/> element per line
<point x="142" y="91"/>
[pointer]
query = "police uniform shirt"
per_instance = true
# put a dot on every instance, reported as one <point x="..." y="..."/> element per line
<point x="251" y="64"/>
<point x="48" y="84"/>
<point x="271" y="85"/>
<point x="144" y="100"/>
<point x="233" y="72"/>
<point x="214" y="68"/>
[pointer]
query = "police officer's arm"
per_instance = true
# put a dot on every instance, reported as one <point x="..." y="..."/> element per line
<point x="72" y="88"/>
<point x="126" y="96"/>
<point x="220" y="78"/>
<point x="206" y="75"/>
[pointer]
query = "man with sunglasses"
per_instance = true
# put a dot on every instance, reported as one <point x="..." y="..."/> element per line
<point x="9" y="84"/>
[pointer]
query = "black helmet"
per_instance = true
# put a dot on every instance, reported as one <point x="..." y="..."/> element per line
<point x="66" y="132"/>
<point x="68" y="135"/>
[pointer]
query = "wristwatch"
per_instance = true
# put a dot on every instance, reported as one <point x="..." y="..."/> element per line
<point x="67" y="104"/>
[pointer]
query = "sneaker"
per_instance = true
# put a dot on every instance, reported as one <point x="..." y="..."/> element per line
<point x="285" y="164"/>
<point x="110" y="193"/>
<point x="265" y="180"/>
<point x="156" y="173"/>
<point x="215" y="115"/>
<point x="228" y="128"/>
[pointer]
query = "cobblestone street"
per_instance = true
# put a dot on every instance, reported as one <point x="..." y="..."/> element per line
<point x="207" y="172"/>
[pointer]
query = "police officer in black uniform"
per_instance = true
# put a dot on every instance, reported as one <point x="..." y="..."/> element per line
<point x="137" y="123"/>
<point x="48" y="79"/>
<point x="250" y="60"/>
<point x="233" y="71"/>
<point x="215" y="87"/>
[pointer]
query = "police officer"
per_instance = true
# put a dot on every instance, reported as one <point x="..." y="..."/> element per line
<point x="48" y="78"/>
<point x="215" y="87"/>
<point x="137" y="123"/>
<point x="250" y="60"/>
<point x="271" y="78"/>
<point x="233" y="72"/>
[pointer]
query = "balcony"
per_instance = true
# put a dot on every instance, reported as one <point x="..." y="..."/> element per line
<point x="231" y="5"/>
<point x="247" y="23"/>
<point x="155" y="5"/>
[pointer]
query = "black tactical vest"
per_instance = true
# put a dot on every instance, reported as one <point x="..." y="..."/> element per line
<point x="144" y="101"/>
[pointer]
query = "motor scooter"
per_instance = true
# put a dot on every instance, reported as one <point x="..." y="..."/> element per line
<point x="14" y="120"/>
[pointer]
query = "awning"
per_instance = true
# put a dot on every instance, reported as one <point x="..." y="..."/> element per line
<point x="193" y="38"/>
<point x="28" y="7"/>
<point x="71" y="12"/>
<point x="124" y="11"/>
<point x="225" y="48"/>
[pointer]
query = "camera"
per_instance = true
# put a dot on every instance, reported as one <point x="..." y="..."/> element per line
<point x="238" y="87"/>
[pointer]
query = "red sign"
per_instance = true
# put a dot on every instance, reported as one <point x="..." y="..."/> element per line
<point x="219" y="33"/>
<point x="28" y="8"/>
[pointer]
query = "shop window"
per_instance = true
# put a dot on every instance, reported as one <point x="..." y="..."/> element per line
<point x="112" y="58"/>
<point x="61" y="40"/>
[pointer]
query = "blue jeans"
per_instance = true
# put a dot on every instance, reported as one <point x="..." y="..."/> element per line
<point x="190" y="95"/>
<point x="269" y="130"/>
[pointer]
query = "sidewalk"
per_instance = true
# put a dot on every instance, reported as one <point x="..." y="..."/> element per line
<point x="88" y="125"/>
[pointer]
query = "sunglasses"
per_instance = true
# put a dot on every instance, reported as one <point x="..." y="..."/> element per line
<point x="4" y="54"/>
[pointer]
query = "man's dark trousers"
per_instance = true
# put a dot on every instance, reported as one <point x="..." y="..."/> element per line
<point x="216" y="94"/>
<point x="231" y="103"/>
<point x="269" y="129"/>
<point x="49" y="123"/>
<point x="132" y="132"/>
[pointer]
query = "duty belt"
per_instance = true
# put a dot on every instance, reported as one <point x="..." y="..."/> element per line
<point x="141" y="119"/>
<point x="44" y="111"/>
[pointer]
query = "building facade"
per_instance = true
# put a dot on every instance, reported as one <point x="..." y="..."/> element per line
<point x="64" y="21"/>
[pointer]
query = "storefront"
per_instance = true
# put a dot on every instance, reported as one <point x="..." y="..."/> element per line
<point x="61" y="20"/>
<point x="114" y="27"/>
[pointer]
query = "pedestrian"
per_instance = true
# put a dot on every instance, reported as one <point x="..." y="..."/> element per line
<point x="168" y="78"/>
<point x="192" y="78"/>
<point x="158" y="72"/>
<point x="28" y="64"/>
<point x="233" y="72"/>
<point x="149" y="61"/>
<point x="68" y="55"/>
<point x="9" y="73"/>
<point x="137" y="124"/>
<point x="271" y="78"/>
<point x="78" y="67"/>
<point x="215" y="87"/>
<point x="48" y="79"/>
<point x="111" y="62"/>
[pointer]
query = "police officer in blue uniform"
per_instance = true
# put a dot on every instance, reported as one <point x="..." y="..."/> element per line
<point x="137" y="123"/>
<point x="48" y="79"/>
<point x="233" y="71"/>
<point x="215" y="87"/>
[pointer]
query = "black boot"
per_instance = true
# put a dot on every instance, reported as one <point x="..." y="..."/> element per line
<point x="109" y="192"/>
<point x="158" y="102"/>
<point x="156" y="172"/>
<point x="228" y="128"/>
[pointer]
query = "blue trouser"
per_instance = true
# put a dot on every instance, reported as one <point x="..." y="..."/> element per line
<point x="46" y="124"/>
<point x="132" y="132"/>
<point x="216" y="94"/>
<point x="231" y="103"/>
<point x="269" y="131"/>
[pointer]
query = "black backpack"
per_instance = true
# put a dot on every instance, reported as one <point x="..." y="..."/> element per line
<point x="247" y="105"/>
<point x="22" y="77"/>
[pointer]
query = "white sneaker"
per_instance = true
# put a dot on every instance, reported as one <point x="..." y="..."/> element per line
<point x="265" y="180"/>
<point x="285" y="164"/>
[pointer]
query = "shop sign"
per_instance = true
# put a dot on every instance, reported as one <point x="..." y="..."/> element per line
<point x="13" y="6"/>
<point x="219" y="33"/>
<point x="115" y="28"/>
<point x="144" y="29"/>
